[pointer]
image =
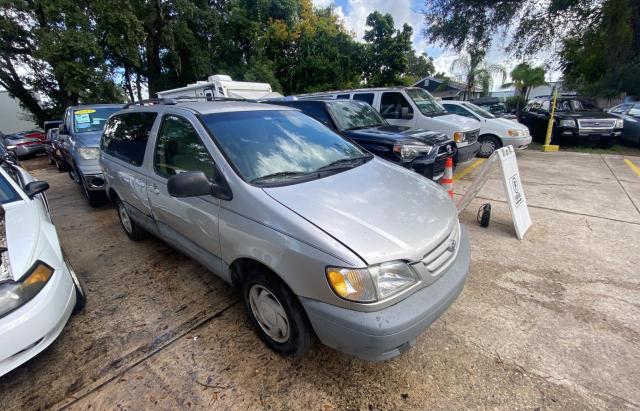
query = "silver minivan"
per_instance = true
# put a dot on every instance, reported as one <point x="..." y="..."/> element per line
<point x="320" y="236"/>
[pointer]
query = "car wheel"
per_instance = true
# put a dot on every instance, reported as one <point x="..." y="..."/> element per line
<point x="276" y="314"/>
<point x="130" y="227"/>
<point x="488" y="144"/>
<point x="51" y="161"/>
<point x="60" y="165"/>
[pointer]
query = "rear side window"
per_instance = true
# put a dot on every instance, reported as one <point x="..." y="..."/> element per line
<point x="366" y="97"/>
<point x="180" y="149"/>
<point x="393" y="104"/>
<point x="343" y="97"/>
<point x="125" y="136"/>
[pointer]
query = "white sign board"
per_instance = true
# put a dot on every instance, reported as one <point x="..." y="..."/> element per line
<point x="506" y="156"/>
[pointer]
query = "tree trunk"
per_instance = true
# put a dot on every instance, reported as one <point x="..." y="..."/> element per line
<point x="127" y="83"/>
<point x="138" y="86"/>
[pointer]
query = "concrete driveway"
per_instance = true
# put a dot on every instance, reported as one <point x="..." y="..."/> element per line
<point x="551" y="322"/>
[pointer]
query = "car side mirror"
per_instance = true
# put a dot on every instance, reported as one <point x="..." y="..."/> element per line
<point x="63" y="129"/>
<point x="36" y="187"/>
<point x="404" y="113"/>
<point x="195" y="184"/>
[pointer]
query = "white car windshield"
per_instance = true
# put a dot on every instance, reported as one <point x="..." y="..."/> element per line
<point x="478" y="110"/>
<point x="425" y="102"/>
<point x="272" y="146"/>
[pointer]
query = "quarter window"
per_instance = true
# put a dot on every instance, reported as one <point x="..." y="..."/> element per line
<point x="366" y="97"/>
<point x="343" y="97"/>
<point x="125" y="136"/>
<point x="393" y="104"/>
<point x="180" y="149"/>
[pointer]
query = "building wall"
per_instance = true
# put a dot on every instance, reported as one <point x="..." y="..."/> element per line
<point x="12" y="117"/>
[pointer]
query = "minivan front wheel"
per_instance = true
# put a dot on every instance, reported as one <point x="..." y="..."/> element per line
<point x="488" y="144"/>
<point x="276" y="314"/>
<point x="133" y="230"/>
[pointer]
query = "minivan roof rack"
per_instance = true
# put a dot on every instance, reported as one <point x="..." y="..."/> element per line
<point x="153" y="101"/>
<point x="211" y="98"/>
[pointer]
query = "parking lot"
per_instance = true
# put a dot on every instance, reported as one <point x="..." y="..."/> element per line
<point x="550" y="322"/>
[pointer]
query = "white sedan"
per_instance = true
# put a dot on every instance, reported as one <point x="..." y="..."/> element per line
<point x="38" y="288"/>
<point x="494" y="132"/>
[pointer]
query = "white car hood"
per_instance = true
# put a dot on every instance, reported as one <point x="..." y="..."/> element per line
<point x="508" y="124"/>
<point x="462" y="122"/>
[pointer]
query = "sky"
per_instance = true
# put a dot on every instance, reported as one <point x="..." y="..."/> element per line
<point x="354" y="14"/>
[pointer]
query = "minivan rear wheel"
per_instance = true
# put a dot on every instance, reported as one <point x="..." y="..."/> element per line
<point x="133" y="230"/>
<point x="276" y="314"/>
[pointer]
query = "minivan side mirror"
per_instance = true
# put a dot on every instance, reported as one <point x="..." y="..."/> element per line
<point x="195" y="184"/>
<point x="35" y="187"/>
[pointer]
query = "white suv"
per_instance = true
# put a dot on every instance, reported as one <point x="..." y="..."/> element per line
<point x="494" y="132"/>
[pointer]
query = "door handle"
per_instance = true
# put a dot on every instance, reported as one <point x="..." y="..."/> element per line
<point x="154" y="188"/>
<point x="141" y="182"/>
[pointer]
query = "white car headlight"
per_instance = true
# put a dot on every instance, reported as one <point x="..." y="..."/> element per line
<point x="14" y="294"/>
<point x="568" y="123"/>
<point x="408" y="152"/>
<point x="371" y="284"/>
<point x="517" y="133"/>
<point x="89" y="153"/>
<point x="619" y="123"/>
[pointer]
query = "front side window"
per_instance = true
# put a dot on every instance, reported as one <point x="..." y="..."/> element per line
<point x="366" y="97"/>
<point x="272" y="146"/>
<point x="393" y="104"/>
<point x="91" y="119"/>
<point x="425" y="102"/>
<point x="125" y="136"/>
<point x="350" y="115"/>
<point x="455" y="109"/>
<point x="7" y="193"/>
<point x="180" y="149"/>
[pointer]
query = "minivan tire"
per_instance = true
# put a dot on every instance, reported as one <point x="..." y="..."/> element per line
<point x="274" y="293"/>
<point x="130" y="227"/>
<point x="487" y="141"/>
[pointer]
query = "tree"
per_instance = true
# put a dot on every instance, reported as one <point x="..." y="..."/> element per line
<point x="386" y="50"/>
<point x="418" y="67"/>
<point x="476" y="72"/>
<point x="525" y="77"/>
<point x="585" y="34"/>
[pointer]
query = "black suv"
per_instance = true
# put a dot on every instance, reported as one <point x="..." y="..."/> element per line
<point x="423" y="151"/>
<point x="577" y="121"/>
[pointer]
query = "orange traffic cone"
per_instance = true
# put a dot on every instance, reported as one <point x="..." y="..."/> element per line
<point x="447" y="179"/>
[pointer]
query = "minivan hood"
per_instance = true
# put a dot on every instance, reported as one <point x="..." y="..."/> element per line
<point x="460" y="123"/>
<point x="379" y="210"/>
<point x="507" y="124"/>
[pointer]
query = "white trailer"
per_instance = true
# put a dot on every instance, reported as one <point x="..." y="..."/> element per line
<point x="222" y="86"/>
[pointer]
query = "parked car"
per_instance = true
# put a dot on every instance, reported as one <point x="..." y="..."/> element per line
<point x="577" y="121"/>
<point x="415" y="108"/>
<point x="5" y="154"/>
<point x="422" y="151"/>
<point x="23" y="147"/>
<point x="495" y="106"/>
<point x="37" y="134"/>
<point x="78" y="142"/>
<point x="38" y="288"/>
<point x="494" y="132"/>
<point x="319" y="235"/>
<point x="52" y="148"/>
<point x="630" y="114"/>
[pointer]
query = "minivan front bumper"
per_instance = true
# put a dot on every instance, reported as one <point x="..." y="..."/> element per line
<point x="467" y="152"/>
<point x="384" y="334"/>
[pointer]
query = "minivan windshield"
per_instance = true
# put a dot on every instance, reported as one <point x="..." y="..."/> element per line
<point x="478" y="110"/>
<point x="87" y="120"/>
<point x="273" y="146"/>
<point x="351" y="115"/>
<point x="425" y="102"/>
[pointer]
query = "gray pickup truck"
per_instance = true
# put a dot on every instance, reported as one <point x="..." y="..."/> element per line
<point x="318" y="234"/>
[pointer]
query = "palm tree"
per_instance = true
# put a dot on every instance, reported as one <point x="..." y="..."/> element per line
<point x="477" y="72"/>
<point x="524" y="78"/>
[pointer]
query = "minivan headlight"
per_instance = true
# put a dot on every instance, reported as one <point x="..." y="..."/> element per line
<point x="459" y="137"/>
<point x="373" y="283"/>
<point x="408" y="152"/>
<point x="89" y="153"/>
<point x="13" y="294"/>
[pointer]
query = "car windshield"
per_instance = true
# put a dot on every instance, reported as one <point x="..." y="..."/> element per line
<point x="272" y="146"/>
<point x="478" y="110"/>
<point x="576" y="105"/>
<point x="88" y="120"/>
<point x="425" y="102"/>
<point x="351" y="115"/>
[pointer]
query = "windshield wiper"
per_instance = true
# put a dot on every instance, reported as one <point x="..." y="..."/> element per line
<point x="344" y="163"/>
<point x="280" y="174"/>
<point x="361" y="127"/>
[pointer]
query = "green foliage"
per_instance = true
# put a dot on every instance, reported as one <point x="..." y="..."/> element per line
<point x="115" y="50"/>
<point x="524" y="77"/>
<point x="598" y="42"/>
<point x="476" y="72"/>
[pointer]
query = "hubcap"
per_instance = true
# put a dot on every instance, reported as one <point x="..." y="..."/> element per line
<point x="269" y="313"/>
<point x="124" y="218"/>
<point x="487" y="147"/>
